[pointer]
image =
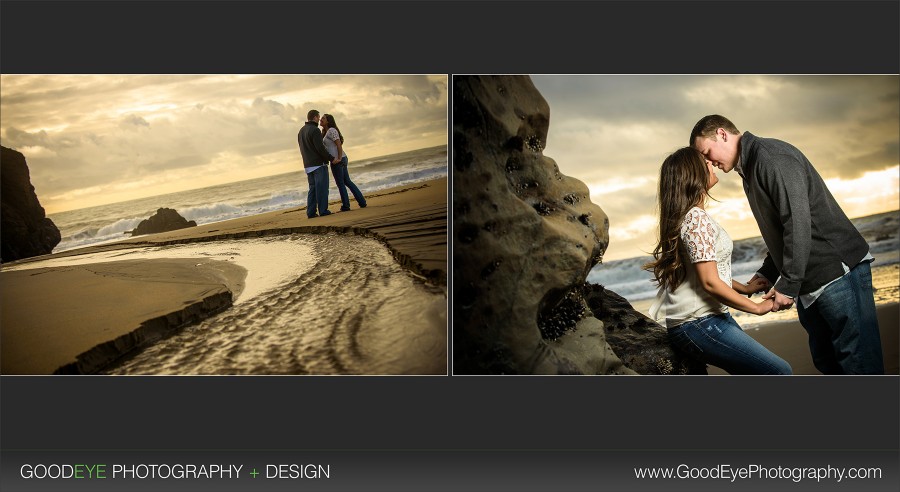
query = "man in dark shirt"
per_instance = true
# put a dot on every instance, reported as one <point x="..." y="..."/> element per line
<point x="817" y="259"/>
<point x="315" y="163"/>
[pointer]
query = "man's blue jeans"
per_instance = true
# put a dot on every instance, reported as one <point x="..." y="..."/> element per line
<point x="342" y="179"/>
<point x="318" y="192"/>
<point x="843" y="327"/>
<point x="720" y="341"/>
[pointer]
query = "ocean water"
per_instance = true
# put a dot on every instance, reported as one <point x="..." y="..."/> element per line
<point x="881" y="231"/>
<point x="106" y="223"/>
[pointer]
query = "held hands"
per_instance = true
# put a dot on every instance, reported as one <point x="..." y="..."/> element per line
<point x="779" y="300"/>
<point x="765" y="307"/>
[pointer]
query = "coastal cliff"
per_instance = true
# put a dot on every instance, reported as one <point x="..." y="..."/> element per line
<point x="25" y="230"/>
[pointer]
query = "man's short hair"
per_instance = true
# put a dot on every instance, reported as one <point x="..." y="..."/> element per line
<point x="708" y="125"/>
<point x="311" y="114"/>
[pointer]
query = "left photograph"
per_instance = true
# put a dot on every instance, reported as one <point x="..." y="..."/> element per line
<point x="223" y="224"/>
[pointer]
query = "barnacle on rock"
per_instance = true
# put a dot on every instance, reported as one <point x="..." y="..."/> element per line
<point x="563" y="317"/>
<point x="571" y="199"/>
<point x="534" y="144"/>
<point x="663" y="365"/>
<point x="542" y="208"/>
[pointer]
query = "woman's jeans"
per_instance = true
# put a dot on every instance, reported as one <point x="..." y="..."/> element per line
<point x="843" y="327"/>
<point x="342" y="180"/>
<point x="720" y="341"/>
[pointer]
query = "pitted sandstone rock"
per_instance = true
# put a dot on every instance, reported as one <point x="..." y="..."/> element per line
<point x="525" y="237"/>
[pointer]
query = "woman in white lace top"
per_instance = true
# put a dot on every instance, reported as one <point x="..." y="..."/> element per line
<point x="334" y="143"/>
<point x="692" y="265"/>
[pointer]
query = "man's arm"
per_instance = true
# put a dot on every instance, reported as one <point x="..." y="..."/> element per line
<point x="768" y="270"/>
<point x="786" y="183"/>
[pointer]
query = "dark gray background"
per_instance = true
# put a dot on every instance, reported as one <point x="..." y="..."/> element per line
<point x="464" y="470"/>
<point x="492" y="37"/>
<point x="478" y="433"/>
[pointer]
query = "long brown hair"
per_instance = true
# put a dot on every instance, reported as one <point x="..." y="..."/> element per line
<point x="683" y="180"/>
<point x="332" y="124"/>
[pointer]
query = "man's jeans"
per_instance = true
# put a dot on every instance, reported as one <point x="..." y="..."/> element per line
<point x="318" y="192"/>
<point x="843" y="327"/>
<point x="720" y="341"/>
<point x="342" y="179"/>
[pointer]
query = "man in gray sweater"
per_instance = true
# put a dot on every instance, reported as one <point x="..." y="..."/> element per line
<point x="315" y="162"/>
<point x="820" y="261"/>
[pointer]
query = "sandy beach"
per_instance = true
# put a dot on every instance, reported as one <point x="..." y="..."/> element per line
<point x="79" y="318"/>
<point x="789" y="340"/>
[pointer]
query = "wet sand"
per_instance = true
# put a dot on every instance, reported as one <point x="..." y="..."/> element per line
<point x="78" y="318"/>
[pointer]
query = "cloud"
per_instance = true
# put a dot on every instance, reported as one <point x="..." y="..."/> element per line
<point x="133" y="121"/>
<point x="15" y="137"/>
<point x="103" y="131"/>
<point x="613" y="132"/>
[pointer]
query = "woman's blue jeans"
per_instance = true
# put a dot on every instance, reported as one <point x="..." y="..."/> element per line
<point x="720" y="341"/>
<point x="843" y="327"/>
<point x="342" y="180"/>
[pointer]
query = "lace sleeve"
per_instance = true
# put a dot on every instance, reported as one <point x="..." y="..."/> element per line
<point x="699" y="236"/>
<point x="332" y="134"/>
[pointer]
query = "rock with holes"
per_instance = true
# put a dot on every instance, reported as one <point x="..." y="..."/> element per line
<point x="525" y="238"/>
<point x="641" y="343"/>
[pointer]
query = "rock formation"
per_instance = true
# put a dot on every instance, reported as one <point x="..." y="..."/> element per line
<point x="165" y="219"/>
<point x="25" y="230"/>
<point x="525" y="238"/>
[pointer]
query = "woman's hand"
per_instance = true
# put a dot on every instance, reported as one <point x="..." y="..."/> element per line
<point x="765" y="307"/>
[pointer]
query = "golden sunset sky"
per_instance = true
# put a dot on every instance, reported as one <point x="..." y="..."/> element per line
<point x="97" y="139"/>
<point x="613" y="131"/>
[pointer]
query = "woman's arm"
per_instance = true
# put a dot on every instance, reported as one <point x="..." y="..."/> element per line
<point x="340" y="147"/>
<point x="337" y="158"/>
<point x="708" y="273"/>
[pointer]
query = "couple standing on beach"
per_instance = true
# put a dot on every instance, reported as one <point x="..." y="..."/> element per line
<point x="321" y="149"/>
<point x="817" y="258"/>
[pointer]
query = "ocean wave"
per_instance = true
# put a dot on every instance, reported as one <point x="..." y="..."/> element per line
<point x="118" y="227"/>
<point x="400" y="179"/>
<point x="626" y="277"/>
<point x="205" y="212"/>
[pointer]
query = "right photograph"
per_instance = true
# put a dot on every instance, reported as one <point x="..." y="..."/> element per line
<point x="676" y="225"/>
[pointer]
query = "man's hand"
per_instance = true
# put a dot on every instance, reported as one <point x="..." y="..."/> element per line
<point x="780" y="300"/>
<point x="336" y="161"/>
<point x="758" y="284"/>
